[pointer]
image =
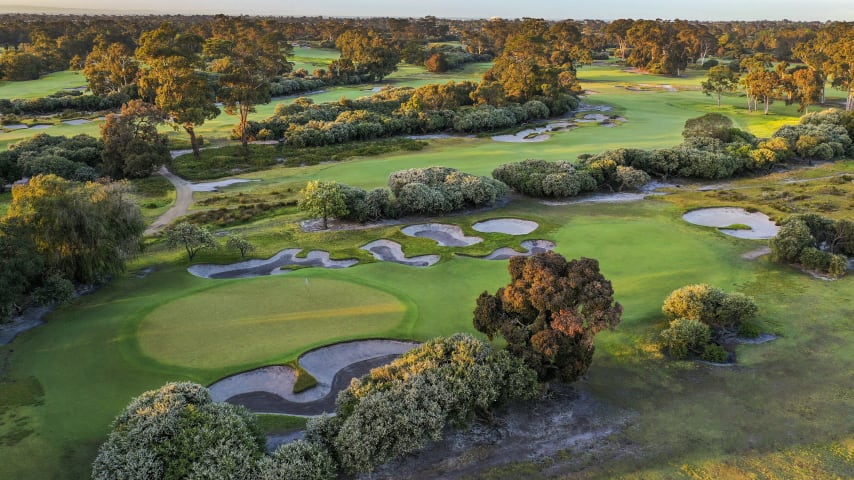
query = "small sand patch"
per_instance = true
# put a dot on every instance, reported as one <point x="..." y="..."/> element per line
<point x="510" y="226"/>
<point x="444" y="234"/>
<point x="79" y="121"/>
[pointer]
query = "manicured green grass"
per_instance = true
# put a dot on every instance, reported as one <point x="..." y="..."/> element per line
<point x="46" y="85"/>
<point x="275" y="424"/>
<point x="265" y="320"/>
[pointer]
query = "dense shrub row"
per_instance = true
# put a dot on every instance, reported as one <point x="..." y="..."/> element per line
<point x="817" y="243"/>
<point x="712" y="150"/>
<point x="399" y="111"/>
<point x="55" y="104"/>
<point x="421" y="191"/>
<point x="75" y="158"/>
<point x="179" y="432"/>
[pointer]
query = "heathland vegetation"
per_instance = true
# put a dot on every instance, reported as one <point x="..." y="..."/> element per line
<point x="722" y="380"/>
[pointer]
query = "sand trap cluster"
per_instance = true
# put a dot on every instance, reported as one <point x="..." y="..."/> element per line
<point x="761" y="227"/>
<point x="270" y="266"/>
<point x="215" y="186"/>
<point x="533" y="247"/>
<point x="390" y="251"/>
<point x="539" y="134"/>
<point x="330" y="366"/>
<point x="444" y="234"/>
<point x="510" y="226"/>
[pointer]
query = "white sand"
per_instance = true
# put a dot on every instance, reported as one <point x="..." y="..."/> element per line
<point x="215" y="186"/>
<point x="444" y="234"/>
<point x="510" y="226"/>
<point x="390" y="251"/>
<point x="270" y="266"/>
<point x="761" y="227"/>
<point x="322" y="363"/>
<point x="532" y="246"/>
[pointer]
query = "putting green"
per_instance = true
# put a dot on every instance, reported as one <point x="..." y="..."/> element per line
<point x="255" y="320"/>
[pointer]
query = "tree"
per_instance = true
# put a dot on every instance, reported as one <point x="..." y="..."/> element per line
<point x="549" y="313"/>
<point x="616" y="31"/>
<point x="809" y="84"/>
<point x="370" y="52"/>
<point x="323" y="199"/>
<point x="110" y="68"/>
<point x="720" y="80"/>
<point x="85" y="231"/>
<point x="132" y="145"/>
<point x="240" y="244"/>
<point x="20" y="267"/>
<point x="178" y="431"/>
<point x="246" y="60"/>
<point x="170" y="79"/>
<point x="437" y="63"/>
<point x="712" y="125"/>
<point x="192" y="237"/>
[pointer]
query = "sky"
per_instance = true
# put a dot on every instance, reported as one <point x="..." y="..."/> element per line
<point x="551" y="9"/>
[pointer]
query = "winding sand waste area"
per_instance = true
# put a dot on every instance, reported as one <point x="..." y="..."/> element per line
<point x="541" y="134"/>
<point x="391" y="251"/>
<point x="215" y="186"/>
<point x="761" y="227"/>
<point x="445" y="235"/>
<point x="270" y="389"/>
<point x="270" y="266"/>
<point x="510" y="226"/>
<point x="533" y="247"/>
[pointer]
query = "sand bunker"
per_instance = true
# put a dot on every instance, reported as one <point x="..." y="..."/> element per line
<point x="534" y="134"/>
<point x="270" y="389"/>
<point x="761" y="227"/>
<point x="79" y="121"/>
<point x="16" y="126"/>
<point x="445" y="235"/>
<point x="390" y="251"/>
<point x="510" y="226"/>
<point x="215" y="186"/>
<point x="618" y="197"/>
<point x="533" y="247"/>
<point x="270" y="266"/>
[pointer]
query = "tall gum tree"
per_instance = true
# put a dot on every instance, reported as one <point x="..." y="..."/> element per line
<point x="172" y="79"/>
<point x="246" y="60"/>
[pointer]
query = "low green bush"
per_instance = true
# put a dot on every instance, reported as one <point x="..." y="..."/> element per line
<point x="685" y="336"/>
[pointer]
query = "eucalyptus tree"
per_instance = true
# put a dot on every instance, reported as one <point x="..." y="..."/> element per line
<point x="171" y="78"/>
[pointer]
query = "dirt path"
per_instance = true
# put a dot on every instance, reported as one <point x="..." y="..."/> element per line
<point x="183" y="200"/>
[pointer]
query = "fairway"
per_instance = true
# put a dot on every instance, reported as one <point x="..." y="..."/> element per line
<point x="251" y="321"/>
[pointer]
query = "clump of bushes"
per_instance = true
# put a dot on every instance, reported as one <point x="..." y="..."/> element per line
<point x="815" y="242"/>
<point x="419" y="191"/>
<point x="539" y="178"/>
<point x="703" y="318"/>
<point x="397" y="409"/>
<point x="74" y="158"/>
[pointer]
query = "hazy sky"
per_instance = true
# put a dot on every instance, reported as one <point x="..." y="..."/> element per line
<point x="600" y="9"/>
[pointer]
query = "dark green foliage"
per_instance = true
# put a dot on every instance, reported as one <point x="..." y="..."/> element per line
<point x="710" y="305"/>
<point x="712" y="125"/>
<point x="440" y="190"/>
<point x="550" y="313"/>
<point x="72" y="158"/>
<point x="817" y="243"/>
<point x="685" y="336"/>
<point x="85" y="232"/>
<point x="20" y="267"/>
<point x="539" y="178"/>
<point x="714" y="353"/>
<point x="299" y="460"/>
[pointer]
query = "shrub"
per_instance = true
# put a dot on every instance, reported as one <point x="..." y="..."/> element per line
<point x="299" y="460"/>
<point x="685" y="336"/>
<point x="749" y="329"/>
<point x="177" y="431"/>
<point x="709" y="305"/>
<point x="714" y="353"/>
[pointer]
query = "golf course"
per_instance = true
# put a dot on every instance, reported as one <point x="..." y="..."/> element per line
<point x="783" y="409"/>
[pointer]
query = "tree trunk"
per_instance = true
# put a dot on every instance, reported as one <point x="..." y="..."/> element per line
<point x="193" y="142"/>
<point x="719" y="98"/>
<point x="325" y="223"/>
<point x="767" y="103"/>
<point x="244" y="116"/>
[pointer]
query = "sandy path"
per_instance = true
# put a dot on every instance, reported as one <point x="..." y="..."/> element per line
<point x="183" y="200"/>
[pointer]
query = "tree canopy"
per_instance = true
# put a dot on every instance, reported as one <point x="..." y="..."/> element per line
<point x="549" y="313"/>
